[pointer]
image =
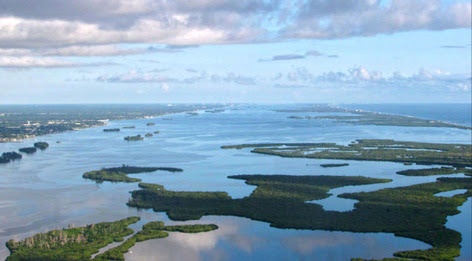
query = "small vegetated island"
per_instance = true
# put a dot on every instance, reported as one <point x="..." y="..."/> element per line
<point x="9" y="156"/>
<point x="82" y="242"/>
<point x="41" y="145"/>
<point x="435" y="171"/>
<point x="13" y="155"/>
<point x="134" y="138"/>
<point x="120" y="174"/>
<point x="28" y="150"/>
<point x="334" y="165"/>
<point x="112" y="130"/>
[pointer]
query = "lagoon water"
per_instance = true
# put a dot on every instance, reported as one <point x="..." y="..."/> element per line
<point x="46" y="190"/>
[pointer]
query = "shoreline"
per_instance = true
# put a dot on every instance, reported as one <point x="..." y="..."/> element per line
<point x="28" y="128"/>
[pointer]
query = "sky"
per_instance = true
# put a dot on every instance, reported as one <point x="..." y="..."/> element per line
<point x="226" y="51"/>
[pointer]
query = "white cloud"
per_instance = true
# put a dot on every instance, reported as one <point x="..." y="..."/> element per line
<point x="234" y="78"/>
<point x="54" y="23"/>
<point x="361" y="76"/>
<point x="28" y="61"/>
<point x="340" y="19"/>
<point x="134" y="76"/>
<point x="88" y="50"/>
<point x="165" y="87"/>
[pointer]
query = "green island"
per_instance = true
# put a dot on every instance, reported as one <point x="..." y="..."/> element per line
<point x="9" y="156"/>
<point x="134" y="138"/>
<point x="129" y="127"/>
<point x="28" y="150"/>
<point x="334" y="165"/>
<point x="71" y="243"/>
<point x="82" y="242"/>
<point x="457" y="155"/>
<point x="148" y="135"/>
<point x="150" y="124"/>
<point x="120" y="174"/>
<point x="435" y="171"/>
<point x="112" y="130"/>
<point x="281" y="200"/>
<point x="152" y="230"/>
<point x="41" y="145"/>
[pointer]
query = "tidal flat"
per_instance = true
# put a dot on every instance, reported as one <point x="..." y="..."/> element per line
<point x="46" y="190"/>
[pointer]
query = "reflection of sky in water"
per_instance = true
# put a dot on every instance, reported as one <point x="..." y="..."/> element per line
<point x="242" y="239"/>
<point x="46" y="190"/>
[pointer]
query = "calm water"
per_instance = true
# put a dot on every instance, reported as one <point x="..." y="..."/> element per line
<point x="46" y="190"/>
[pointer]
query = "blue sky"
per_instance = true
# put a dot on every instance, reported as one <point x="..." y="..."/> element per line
<point x="258" y="51"/>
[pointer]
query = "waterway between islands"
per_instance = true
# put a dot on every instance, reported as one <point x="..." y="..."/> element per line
<point x="46" y="190"/>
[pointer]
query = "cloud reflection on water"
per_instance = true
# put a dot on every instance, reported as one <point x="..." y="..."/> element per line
<point x="242" y="239"/>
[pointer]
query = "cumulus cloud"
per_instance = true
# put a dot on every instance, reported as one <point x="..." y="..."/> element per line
<point x="361" y="76"/>
<point x="87" y="50"/>
<point x="27" y="61"/>
<point x="135" y="76"/>
<point x="157" y="76"/>
<point x="165" y="87"/>
<point x="234" y="78"/>
<point x="341" y="19"/>
<point x="57" y="23"/>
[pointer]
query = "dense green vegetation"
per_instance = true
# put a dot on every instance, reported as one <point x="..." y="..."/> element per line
<point x="435" y="171"/>
<point x="82" y="242"/>
<point x="274" y="192"/>
<point x="148" y="135"/>
<point x="151" y="230"/>
<point x="41" y="145"/>
<point x="9" y="156"/>
<point x="281" y="200"/>
<point x="150" y="124"/>
<point x="28" y="150"/>
<point x="134" y="138"/>
<point x="334" y="165"/>
<point x="72" y="243"/>
<point x="120" y="174"/>
<point x="458" y="155"/>
<point x="129" y="127"/>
